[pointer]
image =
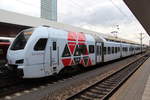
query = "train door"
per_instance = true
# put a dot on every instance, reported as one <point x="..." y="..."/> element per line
<point x="51" y="58"/>
<point x="121" y="50"/>
<point x="98" y="52"/>
<point x="54" y="56"/>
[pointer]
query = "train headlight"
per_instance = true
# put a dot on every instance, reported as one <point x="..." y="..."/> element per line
<point x="20" y="61"/>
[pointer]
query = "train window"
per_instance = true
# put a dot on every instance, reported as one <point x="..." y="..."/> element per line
<point x="116" y="50"/>
<point x="54" y="45"/>
<point x="100" y="50"/>
<point x="83" y="49"/>
<point x="112" y="49"/>
<point x="66" y="52"/>
<point x="41" y="44"/>
<point x="21" y="40"/>
<point x="123" y="49"/>
<point x="91" y="48"/>
<point x="105" y="50"/>
<point x="126" y="49"/>
<point x="133" y="49"/>
<point x="130" y="49"/>
<point x="109" y="51"/>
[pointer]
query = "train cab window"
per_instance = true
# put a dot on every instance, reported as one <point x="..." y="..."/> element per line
<point x="21" y="40"/>
<point x="54" y="45"/>
<point x="41" y="44"/>
<point x="91" y="48"/>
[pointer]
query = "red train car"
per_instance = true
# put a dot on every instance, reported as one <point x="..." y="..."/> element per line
<point x="4" y="44"/>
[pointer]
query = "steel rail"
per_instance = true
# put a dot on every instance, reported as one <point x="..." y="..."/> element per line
<point x="106" y="87"/>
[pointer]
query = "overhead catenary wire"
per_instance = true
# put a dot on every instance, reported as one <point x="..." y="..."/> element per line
<point x="137" y="25"/>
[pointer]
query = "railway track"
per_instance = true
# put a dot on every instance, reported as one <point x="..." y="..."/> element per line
<point x="105" y="88"/>
<point x="10" y="84"/>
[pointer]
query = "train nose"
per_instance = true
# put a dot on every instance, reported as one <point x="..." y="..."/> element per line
<point x="15" y="57"/>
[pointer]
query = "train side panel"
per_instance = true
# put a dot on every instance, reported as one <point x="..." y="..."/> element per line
<point x="111" y="51"/>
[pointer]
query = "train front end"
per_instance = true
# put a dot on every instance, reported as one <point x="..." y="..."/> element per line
<point x="26" y="54"/>
<point x="16" y="52"/>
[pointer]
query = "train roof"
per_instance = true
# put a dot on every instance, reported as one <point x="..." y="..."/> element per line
<point x="116" y="39"/>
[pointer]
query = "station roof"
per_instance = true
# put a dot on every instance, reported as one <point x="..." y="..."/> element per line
<point x="13" y="18"/>
<point x="29" y="21"/>
<point x="140" y="9"/>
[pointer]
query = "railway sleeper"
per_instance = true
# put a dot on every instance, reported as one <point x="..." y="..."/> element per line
<point x="92" y="95"/>
<point x="101" y="89"/>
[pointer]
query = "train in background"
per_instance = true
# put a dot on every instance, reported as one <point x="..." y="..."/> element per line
<point x="4" y="45"/>
<point x="44" y="51"/>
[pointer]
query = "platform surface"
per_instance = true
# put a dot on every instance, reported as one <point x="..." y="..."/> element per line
<point x="137" y="87"/>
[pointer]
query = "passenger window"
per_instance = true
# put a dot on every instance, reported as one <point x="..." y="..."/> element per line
<point x="83" y="49"/>
<point x="116" y="50"/>
<point x="104" y="50"/>
<point x="112" y="49"/>
<point x="109" y="52"/>
<point x="54" y="46"/>
<point x="91" y="48"/>
<point x="41" y="44"/>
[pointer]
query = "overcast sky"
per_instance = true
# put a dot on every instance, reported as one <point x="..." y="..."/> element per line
<point x="97" y="15"/>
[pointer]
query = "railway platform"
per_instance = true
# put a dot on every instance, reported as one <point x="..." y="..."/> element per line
<point x="137" y="87"/>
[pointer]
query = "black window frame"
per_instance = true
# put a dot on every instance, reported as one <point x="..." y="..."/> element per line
<point x="83" y="49"/>
<point x="109" y="50"/>
<point x="43" y="45"/>
<point x="54" y="46"/>
<point x="113" y="50"/>
<point x="116" y="50"/>
<point x="91" y="49"/>
<point x="105" y="50"/>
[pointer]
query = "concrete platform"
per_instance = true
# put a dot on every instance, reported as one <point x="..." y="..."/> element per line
<point x="137" y="87"/>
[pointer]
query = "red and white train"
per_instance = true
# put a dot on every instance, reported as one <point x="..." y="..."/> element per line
<point x="44" y="51"/>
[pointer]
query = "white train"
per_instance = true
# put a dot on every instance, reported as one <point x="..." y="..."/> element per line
<point x="44" y="51"/>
